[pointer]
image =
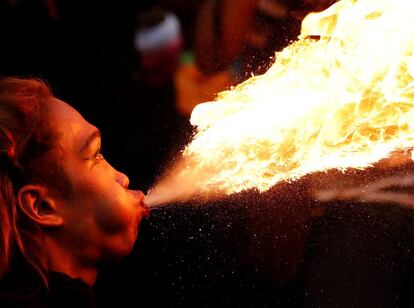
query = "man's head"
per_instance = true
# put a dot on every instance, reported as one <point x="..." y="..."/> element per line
<point x="58" y="192"/>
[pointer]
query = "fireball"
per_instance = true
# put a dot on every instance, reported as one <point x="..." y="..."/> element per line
<point x="340" y="97"/>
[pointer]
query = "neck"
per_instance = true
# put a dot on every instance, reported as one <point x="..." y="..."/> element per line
<point x="63" y="261"/>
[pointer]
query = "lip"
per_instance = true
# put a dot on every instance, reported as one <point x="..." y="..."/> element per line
<point x="146" y="211"/>
<point x="139" y="195"/>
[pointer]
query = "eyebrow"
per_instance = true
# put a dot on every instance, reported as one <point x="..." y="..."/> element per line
<point x="95" y="134"/>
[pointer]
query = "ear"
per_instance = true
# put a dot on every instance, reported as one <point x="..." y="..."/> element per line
<point x="39" y="206"/>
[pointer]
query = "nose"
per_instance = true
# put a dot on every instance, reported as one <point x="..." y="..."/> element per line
<point x="122" y="179"/>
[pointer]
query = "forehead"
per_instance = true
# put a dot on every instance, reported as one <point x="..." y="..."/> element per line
<point x="69" y="124"/>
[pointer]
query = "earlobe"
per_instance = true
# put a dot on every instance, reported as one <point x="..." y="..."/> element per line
<point x="35" y="203"/>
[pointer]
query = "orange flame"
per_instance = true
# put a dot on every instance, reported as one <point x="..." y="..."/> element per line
<point x="343" y="101"/>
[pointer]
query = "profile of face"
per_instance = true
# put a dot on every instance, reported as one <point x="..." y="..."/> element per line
<point x="99" y="218"/>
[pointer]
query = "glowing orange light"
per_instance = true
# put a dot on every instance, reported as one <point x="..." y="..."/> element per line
<point x="343" y="101"/>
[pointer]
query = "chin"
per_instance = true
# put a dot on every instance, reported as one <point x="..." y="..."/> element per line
<point x="117" y="252"/>
<point x="117" y="256"/>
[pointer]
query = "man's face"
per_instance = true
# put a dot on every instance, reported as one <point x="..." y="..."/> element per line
<point x="101" y="216"/>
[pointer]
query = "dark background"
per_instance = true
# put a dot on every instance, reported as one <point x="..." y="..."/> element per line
<point x="278" y="249"/>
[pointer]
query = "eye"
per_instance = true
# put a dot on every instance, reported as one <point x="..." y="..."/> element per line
<point x="99" y="157"/>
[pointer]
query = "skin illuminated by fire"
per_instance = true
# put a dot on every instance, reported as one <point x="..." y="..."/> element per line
<point x="345" y="100"/>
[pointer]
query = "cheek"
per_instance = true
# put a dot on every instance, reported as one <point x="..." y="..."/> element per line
<point x="113" y="215"/>
<point x="111" y="208"/>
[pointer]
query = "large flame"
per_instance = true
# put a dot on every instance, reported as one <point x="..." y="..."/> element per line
<point x="344" y="100"/>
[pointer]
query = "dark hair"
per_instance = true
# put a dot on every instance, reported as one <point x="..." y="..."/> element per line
<point x="25" y="138"/>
